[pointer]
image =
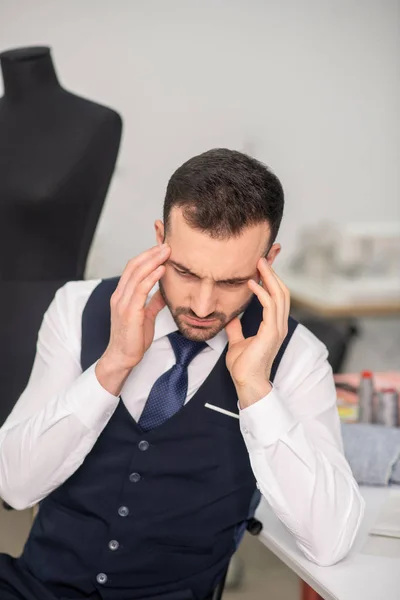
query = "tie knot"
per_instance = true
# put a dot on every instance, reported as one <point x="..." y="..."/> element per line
<point x="185" y="350"/>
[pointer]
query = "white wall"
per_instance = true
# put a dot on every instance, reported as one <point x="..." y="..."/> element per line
<point x="311" y="87"/>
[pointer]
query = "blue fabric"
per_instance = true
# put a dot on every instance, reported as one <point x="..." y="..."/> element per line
<point x="373" y="452"/>
<point x="168" y="393"/>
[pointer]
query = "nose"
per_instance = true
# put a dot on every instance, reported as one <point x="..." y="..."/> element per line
<point x="203" y="303"/>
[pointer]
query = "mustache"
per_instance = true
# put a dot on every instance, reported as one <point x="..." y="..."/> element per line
<point x="186" y="311"/>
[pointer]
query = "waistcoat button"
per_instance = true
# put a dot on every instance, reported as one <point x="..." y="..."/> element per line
<point x="134" y="477"/>
<point x="123" y="511"/>
<point x="143" y="445"/>
<point x="101" y="578"/>
<point x="113" y="545"/>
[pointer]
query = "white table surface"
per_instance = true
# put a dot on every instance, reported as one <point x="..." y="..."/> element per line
<point x="362" y="575"/>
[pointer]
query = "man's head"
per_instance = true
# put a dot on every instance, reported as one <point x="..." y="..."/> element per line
<point x="222" y="212"/>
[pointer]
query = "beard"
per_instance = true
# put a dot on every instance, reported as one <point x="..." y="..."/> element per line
<point x="198" y="333"/>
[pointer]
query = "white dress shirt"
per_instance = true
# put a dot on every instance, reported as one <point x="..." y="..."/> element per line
<point x="292" y="435"/>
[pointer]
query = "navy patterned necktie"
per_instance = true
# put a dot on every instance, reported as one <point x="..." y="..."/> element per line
<point x="168" y="393"/>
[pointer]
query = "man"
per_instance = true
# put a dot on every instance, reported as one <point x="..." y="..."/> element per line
<point x="161" y="400"/>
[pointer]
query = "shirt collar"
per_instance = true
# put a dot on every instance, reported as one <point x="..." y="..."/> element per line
<point x="165" y="325"/>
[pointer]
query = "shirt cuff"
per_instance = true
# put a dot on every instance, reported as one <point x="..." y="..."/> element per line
<point x="90" y="402"/>
<point x="265" y="422"/>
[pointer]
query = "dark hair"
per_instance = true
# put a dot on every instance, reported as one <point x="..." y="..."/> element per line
<point x="223" y="191"/>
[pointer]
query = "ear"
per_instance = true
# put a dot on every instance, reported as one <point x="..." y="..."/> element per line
<point x="160" y="231"/>
<point x="273" y="253"/>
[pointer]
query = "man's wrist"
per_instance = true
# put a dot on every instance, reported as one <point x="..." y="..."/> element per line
<point x="253" y="391"/>
<point x="111" y="375"/>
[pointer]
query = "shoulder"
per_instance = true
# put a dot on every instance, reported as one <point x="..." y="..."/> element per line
<point x="304" y="378"/>
<point x="74" y="294"/>
<point x="306" y="341"/>
<point x="65" y="310"/>
<point x="62" y="320"/>
<point x="304" y="353"/>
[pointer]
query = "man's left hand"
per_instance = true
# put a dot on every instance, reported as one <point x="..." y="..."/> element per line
<point x="249" y="360"/>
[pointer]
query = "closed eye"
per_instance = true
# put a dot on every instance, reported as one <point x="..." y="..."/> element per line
<point x="229" y="284"/>
<point x="184" y="273"/>
<point x="233" y="283"/>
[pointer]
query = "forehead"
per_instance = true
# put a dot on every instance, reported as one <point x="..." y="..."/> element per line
<point x="216" y="258"/>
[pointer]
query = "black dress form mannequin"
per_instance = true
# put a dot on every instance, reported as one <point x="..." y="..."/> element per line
<point x="57" y="157"/>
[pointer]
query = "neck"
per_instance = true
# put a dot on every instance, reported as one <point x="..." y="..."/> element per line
<point x="27" y="71"/>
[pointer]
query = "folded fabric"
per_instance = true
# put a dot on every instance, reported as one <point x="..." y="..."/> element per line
<point x="395" y="478"/>
<point x="373" y="452"/>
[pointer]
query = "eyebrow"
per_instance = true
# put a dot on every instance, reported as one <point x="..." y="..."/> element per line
<point x="231" y="280"/>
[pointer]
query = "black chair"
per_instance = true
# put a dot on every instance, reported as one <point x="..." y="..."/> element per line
<point x="253" y="527"/>
<point x="335" y="334"/>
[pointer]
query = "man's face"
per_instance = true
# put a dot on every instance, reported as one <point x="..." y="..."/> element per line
<point x="205" y="282"/>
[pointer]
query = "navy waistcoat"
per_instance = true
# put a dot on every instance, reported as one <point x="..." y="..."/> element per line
<point x="150" y="513"/>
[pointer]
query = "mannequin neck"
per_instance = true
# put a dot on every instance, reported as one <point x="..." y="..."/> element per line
<point x="27" y="71"/>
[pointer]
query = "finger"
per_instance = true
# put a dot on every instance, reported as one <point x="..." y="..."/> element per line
<point x="283" y="287"/>
<point x="265" y="298"/>
<point x="269" y="321"/>
<point x="234" y="331"/>
<point x="133" y="264"/>
<point x="286" y="294"/>
<point x="155" y="305"/>
<point x="139" y="272"/>
<point x="262" y="294"/>
<point x="280" y="300"/>
<point x="146" y="268"/>
<point x="272" y="285"/>
<point x="275" y="287"/>
<point x="136" y="292"/>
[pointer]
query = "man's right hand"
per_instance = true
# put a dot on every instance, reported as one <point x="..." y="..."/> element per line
<point x="132" y="322"/>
